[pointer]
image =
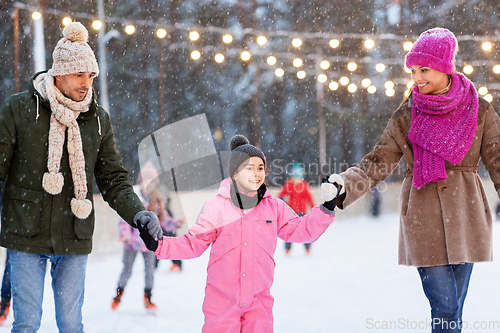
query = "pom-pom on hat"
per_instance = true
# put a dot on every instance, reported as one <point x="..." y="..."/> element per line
<point x="435" y="48"/>
<point x="242" y="150"/>
<point x="72" y="53"/>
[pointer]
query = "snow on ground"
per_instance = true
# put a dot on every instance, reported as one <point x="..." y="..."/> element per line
<point x="350" y="283"/>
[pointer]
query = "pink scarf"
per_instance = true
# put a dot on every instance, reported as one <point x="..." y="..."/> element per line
<point x="442" y="128"/>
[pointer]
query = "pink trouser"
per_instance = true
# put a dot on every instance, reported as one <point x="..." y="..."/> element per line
<point x="226" y="316"/>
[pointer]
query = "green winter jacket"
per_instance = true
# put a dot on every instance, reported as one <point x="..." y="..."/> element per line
<point x="34" y="220"/>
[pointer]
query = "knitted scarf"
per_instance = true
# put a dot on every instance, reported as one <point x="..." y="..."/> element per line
<point x="64" y="114"/>
<point x="442" y="128"/>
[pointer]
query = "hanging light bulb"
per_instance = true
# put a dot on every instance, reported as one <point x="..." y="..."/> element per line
<point x="372" y="89"/>
<point x="271" y="60"/>
<point x="407" y="46"/>
<point x="261" y="40"/>
<point x="389" y="85"/>
<point x="333" y="86"/>
<point x="96" y="25"/>
<point x="322" y="78"/>
<point x="496" y="69"/>
<point x="352" y="88"/>
<point x="369" y="43"/>
<point x="36" y="16"/>
<point x="482" y="91"/>
<point x="380" y="67"/>
<point x="301" y="74"/>
<point x="344" y="80"/>
<point x="325" y="64"/>
<point x="219" y="57"/>
<point x="67" y="20"/>
<point x="245" y="55"/>
<point x="352" y="66"/>
<point x="366" y="83"/>
<point x="194" y="35"/>
<point x="227" y="38"/>
<point x="468" y="69"/>
<point x="279" y="72"/>
<point x="296" y="42"/>
<point x="129" y="29"/>
<point x="195" y="55"/>
<point x="161" y="33"/>
<point x="297" y="62"/>
<point x="487" y="46"/>
<point x="334" y="43"/>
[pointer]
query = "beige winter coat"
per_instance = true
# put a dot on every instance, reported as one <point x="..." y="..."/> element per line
<point x="446" y="222"/>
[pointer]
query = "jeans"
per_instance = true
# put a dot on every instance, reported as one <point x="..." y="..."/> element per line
<point x="68" y="284"/>
<point x="446" y="288"/>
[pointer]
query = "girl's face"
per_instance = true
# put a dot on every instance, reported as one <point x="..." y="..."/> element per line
<point x="250" y="175"/>
<point x="428" y="80"/>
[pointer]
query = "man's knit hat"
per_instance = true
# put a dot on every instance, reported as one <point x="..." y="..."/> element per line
<point x="435" y="48"/>
<point x="72" y="53"/>
<point x="242" y="150"/>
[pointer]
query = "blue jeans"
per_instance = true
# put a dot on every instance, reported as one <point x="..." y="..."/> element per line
<point x="446" y="288"/>
<point x="68" y="284"/>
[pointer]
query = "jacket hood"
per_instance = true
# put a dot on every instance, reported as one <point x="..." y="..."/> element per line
<point x="84" y="115"/>
<point x="225" y="189"/>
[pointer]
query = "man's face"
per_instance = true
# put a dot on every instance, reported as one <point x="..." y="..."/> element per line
<point x="75" y="86"/>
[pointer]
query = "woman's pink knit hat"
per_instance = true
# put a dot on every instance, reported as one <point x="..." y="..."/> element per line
<point x="435" y="48"/>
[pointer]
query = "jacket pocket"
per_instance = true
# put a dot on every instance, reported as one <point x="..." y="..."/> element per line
<point x="266" y="235"/>
<point x="24" y="209"/>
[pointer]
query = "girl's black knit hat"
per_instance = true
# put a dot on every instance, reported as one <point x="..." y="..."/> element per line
<point x="242" y="150"/>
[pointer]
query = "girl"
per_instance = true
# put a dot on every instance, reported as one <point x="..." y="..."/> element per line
<point x="442" y="130"/>
<point x="242" y="224"/>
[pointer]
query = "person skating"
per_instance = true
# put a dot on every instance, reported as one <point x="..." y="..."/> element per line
<point x="54" y="138"/>
<point x="443" y="130"/>
<point x="242" y="224"/>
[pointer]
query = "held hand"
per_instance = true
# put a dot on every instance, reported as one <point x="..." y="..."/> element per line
<point x="149" y="222"/>
<point x="331" y="188"/>
<point x="149" y="241"/>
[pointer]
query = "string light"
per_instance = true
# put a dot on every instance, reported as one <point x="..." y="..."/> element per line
<point x="407" y="92"/>
<point x="487" y="46"/>
<point x="161" y="33"/>
<point x="67" y="20"/>
<point x="96" y="25"/>
<point x="194" y="35"/>
<point x="271" y="60"/>
<point x="366" y="83"/>
<point x="333" y="86"/>
<point x="352" y="88"/>
<point x="245" y="55"/>
<point x="296" y="42"/>
<point x="407" y="46"/>
<point x="325" y="64"/>
<point x="344" y="80"/>
<point x="219" y="58"/>
<point x="482" y="91"/>
<point x="36" y="16"/>
<point x="380" y="67"/>
<point x="195" y="55"/>
<point x="129" y="29"/>
<point x="261" y="40"/>
<point x="352" y="66"/>
<point x="468" y="69"/>
<point x="334" y="43"/>
<point x="297" y="62"/>
<point x="279" y="72"/>
<point x="369" y="43"/>
<point x="488" y="98"/>
<point x="227" y="38"/>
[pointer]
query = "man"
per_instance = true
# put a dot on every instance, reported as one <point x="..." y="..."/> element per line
<point x="53" y="139"/>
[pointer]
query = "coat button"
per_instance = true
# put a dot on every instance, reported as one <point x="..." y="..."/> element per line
<point x="245" y="243"/>
<point x="244" y="274"/>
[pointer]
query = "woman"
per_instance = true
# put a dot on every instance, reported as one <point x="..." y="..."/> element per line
<point x="443" y="129"/>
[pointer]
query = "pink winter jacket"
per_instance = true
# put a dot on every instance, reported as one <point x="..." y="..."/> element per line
<point x="241" y="262"/>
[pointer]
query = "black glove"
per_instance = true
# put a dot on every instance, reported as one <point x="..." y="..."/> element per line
<point x="332" y="204"/>
<point x="149" y="241"/>
<point x="149" y="221"/>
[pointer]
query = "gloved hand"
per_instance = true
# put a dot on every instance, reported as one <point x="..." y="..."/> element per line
<point x="149" y="241"/>
<point x="149" y="222"/>
<point x="331" y="188"/>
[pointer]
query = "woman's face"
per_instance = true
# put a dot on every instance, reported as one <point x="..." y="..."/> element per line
<point x="250" y="175"/>
<point x="428" y="80"/>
